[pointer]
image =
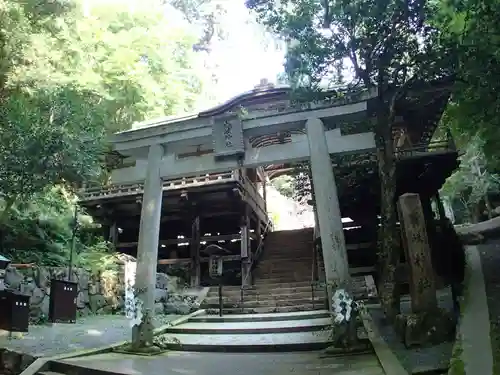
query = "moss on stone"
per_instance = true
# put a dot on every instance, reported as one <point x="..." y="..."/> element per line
<point x="146" y="351"/>
<point x="457" y="366"/>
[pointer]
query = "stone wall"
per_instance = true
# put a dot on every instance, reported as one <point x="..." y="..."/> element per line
<point x="99" y="292"/>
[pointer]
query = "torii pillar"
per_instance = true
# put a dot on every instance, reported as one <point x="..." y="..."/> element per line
<point x="328" y="211"/>
<point x="340" y="299"/>
<point x="147" y="250"/>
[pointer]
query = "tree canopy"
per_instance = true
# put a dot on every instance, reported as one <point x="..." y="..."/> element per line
<point x="71" y="73"/>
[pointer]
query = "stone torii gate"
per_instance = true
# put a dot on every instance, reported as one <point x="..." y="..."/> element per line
<point x="226" y="139"/>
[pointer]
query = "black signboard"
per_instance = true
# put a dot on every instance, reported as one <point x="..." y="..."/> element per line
<point x="14" y="311"/>
<point x="62" y="304"/>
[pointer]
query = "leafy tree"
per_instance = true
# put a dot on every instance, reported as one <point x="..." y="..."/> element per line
<point x="472" y="182"/>
<point x="206" y="15"/>
<point x="47" y="139"/>
<point x="284" y="185"/>
<point x="475" y="108"/>
<point x="385" y="44"/>
<point x="71" y="78"/>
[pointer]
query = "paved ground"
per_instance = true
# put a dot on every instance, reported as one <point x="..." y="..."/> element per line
<point x="87" y="333"/>
<point x="475" y="323"/>
<point x="490" y="259"/>
<point x="188" y="363"/>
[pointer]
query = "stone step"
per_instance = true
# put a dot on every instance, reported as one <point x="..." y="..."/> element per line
<point x="262" y="287"/>
<point x="286" y="259"/>
<point x="259" y="291"/>
<point x="279" y="265"/>
<point x="283" y="272"/>
<point x="287" y="316"/>
<point x="271" y="295"/>
<point x="213" y="303"/>
<point x="280" y="284"/>
<point x="250" y="343"/>
<point x="282" y="280"/>
<point x="266" y="296"/>
<point x="256" y="327"/>
<point x="293" y="244"/>
<point x="286" y="256"/>
<point x="270" y="266"/>
<point x="257" y="299"/>
<point x="265" y="310"/>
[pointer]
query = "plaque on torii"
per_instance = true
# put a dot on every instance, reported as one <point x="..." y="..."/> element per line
<point x="227" y="137"/>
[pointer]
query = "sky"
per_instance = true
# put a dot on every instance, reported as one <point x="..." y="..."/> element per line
<point x="246" y="56"/>
<point x="240" y="60"/>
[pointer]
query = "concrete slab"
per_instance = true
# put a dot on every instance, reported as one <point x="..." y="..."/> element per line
<point x="188" y="363"/>
<point x="474" y="326"/>
<point x="90" y="332"/>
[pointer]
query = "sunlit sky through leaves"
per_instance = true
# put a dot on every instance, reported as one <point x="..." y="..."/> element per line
<point x="245" y="55"/>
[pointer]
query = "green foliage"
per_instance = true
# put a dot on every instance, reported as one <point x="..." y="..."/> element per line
<point x="473" y="25"/>
<point x="71" y="73"/>
<point x="383" y="42"/>
<point x="47" y="138"/>
<point x="40" y="231"/>
<point x="284" y="185"/>
<point x="472" y="182"/>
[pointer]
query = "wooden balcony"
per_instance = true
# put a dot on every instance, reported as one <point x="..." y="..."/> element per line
<point x="249" y="188"/>
<point x="433" y="148"/>
<point x="113" y="191"/>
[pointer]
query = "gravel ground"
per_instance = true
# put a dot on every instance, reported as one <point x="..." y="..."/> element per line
<point x="411" y="359"/>
<point x="87" y="333"/>
<point x="490" y="261"/>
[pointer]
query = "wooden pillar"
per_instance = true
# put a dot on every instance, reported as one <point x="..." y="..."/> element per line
<point x="246" y="253"/>
<point x="258" y="233"/>
<point x="417" y="251"/>
<point x="194" y="249"/>
<point x="113" y="234"/>
<point x="264" y="193"/>
<point x="440" y="207"/>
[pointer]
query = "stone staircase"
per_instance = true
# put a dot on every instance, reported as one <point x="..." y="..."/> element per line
<point x="269" y="332"/>
<point x="282" y="279"/>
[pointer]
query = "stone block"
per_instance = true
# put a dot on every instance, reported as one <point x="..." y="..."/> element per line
<point x="159" y="308"/>
<point x="13" y="278"/>
<point x="423" y="329"/>
<point x="94" y="288"/>
<point x="160" y="295"/>
<point x="37" y="296"/>
<point x="82" y="299"/>
<point x="96" y="301"/>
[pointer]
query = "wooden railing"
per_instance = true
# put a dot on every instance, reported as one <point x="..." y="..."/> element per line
<point x="110" y="191"/>
<point x="177" y="241"/>
<point x="447" y="145"/>
<point x="251" y="191"/>
<point x="91" y="193"/>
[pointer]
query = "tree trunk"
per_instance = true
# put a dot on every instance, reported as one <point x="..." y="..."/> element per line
<point x="9" y="202"/>
<point x="389" y="237"/>
<point x="487" y="203"/>
<point x="476" y="213"/>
